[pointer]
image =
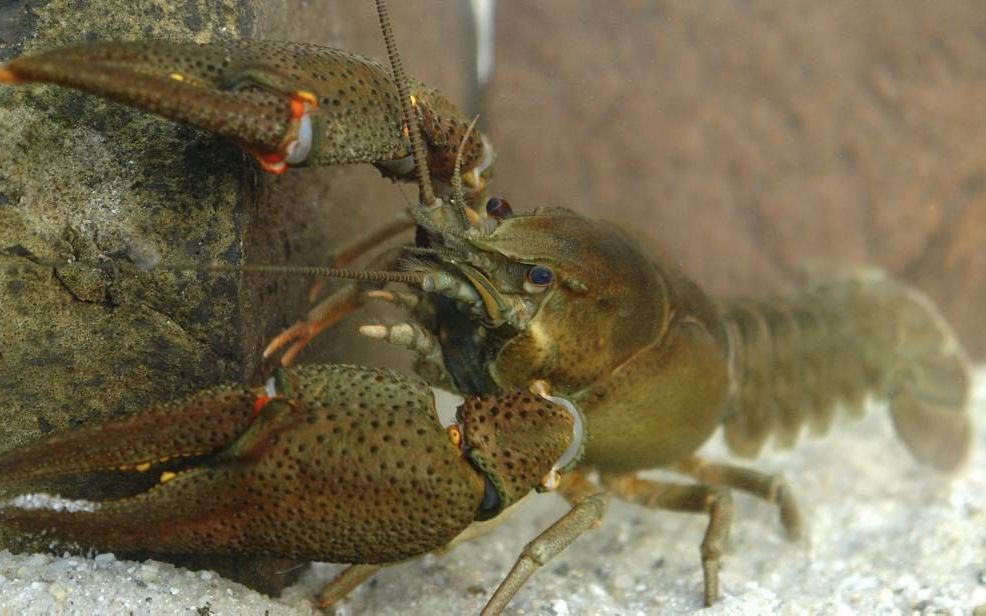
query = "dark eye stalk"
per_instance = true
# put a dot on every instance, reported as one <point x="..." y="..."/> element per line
<point x="499" y="208"/>
<point x="539" y="278"/>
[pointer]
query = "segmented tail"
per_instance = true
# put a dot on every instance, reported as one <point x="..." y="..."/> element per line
<point x="832" y="343"/>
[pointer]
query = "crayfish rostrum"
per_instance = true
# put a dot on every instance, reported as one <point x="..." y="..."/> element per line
<point x="351" y="464"/>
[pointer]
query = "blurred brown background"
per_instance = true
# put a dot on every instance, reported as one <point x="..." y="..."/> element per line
<point x="752" y="136"/>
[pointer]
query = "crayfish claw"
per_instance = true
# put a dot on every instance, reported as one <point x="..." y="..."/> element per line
<point x="203" y="423"/>
<point x="287" y="104"/>
<point x="179" y="82"/>
<point x="8" y="76"/>
<point x="336" y="463"/>
<point x="201" y="507"/>
<point x="312" y="476"/>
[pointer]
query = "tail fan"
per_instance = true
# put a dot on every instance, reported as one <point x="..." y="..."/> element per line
<point x="796" y="360"/>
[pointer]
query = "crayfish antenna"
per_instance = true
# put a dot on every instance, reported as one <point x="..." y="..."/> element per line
<point x="458" y="196"/>
<point x="429" y="202"/>
<point x="413" y="278"/>
<point x="427" y="193"/>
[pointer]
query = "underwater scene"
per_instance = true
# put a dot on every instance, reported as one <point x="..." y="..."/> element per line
<point x="309" y="307"/>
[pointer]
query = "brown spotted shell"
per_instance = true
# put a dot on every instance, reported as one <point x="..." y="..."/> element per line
<point x="515" y="439"/>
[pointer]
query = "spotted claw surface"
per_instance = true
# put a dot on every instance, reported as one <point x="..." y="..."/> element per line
<point x="334" y="463"/>
<point x="288" y="104"/>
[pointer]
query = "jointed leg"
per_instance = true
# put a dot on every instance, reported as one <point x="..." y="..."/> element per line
<point x="588" y="506"/>
<point x="323" y="316"/>
<point x="717" y="502"/>
<point x="327" y="313"/>
<point x="771" y="488"/>
<point x="341" y="585"/>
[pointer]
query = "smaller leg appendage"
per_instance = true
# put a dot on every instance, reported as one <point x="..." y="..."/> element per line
<point x="340" y="586"/>
<point x="330" y="311"/>
<point x="588" y="506"/>
<point x="717" y="502"/>
<point x="771" y="488"/>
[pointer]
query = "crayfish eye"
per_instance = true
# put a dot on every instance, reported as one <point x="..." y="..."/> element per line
<point x="539" y="278"/>
<point x="499" y="208"/>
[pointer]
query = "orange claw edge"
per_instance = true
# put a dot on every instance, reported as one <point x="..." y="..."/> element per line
<point x="302" y="101"/>
<point x="8" y="76"/>
<point x="298" y="334"/>
<point x="271" y="163"/>
<point x="260" y="402"/>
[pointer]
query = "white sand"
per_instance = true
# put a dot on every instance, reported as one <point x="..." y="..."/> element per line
<point x="884" y="537"/>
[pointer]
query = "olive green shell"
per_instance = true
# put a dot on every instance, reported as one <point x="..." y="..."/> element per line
<point x="241" y="90"/>
<point x="352" y="466"/>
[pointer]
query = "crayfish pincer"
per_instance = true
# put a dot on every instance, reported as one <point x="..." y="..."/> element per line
<point x="334" y="463"/>
<point x="287" y="104"/>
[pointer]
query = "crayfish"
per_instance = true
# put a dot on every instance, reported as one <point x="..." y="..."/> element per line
<point x="633" y="366"/>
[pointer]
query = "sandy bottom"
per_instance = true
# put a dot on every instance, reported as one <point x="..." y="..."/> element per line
<point x="884" y="536"/>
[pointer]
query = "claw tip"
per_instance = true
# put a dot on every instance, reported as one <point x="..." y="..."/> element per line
<point x="272" y="163"/>
<point x="8" y="76"/>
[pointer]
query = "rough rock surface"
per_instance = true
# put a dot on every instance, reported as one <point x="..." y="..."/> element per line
<point x="83" y="180"/>
<point x="89" y="181"/>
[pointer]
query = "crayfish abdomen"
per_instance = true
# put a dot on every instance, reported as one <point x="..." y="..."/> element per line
<point x="835" y="342"/>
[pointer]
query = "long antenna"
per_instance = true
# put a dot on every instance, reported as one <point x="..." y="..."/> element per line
<point x="411" y="278"/>
<point x="410" y="116"/>
<point x="458" y="198"/>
